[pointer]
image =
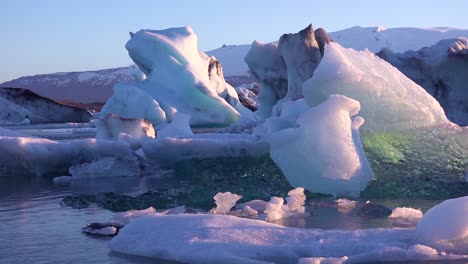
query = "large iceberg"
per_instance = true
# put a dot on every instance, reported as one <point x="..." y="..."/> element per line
<point x="441" y="70"/>
<point x="179" y="79"/>
<point x="389" y="100"/>
<point x="405" y="134"/>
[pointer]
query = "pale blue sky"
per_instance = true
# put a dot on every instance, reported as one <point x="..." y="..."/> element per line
<point x="43" y="36"/>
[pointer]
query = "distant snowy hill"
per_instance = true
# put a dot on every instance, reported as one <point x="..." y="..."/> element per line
<point x="395" y="39"/>
<point x="83" y="87"/>
<point x="96" y="86"/>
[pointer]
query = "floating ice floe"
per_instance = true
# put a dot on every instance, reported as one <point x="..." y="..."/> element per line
<point x="205" y="238"/>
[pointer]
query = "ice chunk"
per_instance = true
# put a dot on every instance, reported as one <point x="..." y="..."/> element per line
<point x="324" y="154"/>
<point x="179" y="79"/>
<point x="47" y="157"/>
<point x="133" y="103"/>
<point x="301" y="54"/>
<point x="204" y="146"/>
<point x="224" y="202"/>
<point x="112" y="126"/>
<point x="107" y="167"/>
<point x="179" y="127"/>
<point x="63" y="180"/>
<point x="266" y="64"/>
<point x="345" y="205"/>
<point x="405" y="216"/>
<point x="276" y="209"/>
<point x="389" y="100"/>
<point x="446" y="224"/>
<point x="125" y="217"/>
<point x="320" y="260"/>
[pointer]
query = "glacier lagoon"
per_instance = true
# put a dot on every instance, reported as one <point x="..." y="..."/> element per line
<point x="414" y="151"/>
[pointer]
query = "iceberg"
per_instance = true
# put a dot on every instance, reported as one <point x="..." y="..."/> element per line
<point x="324" y="154"/>
<point x="179" y="79"/>
<point x="389" y="100"/>
<point x="282" y="68"/>
<point x="453" y="235"/>
<point x="440" y="69"/>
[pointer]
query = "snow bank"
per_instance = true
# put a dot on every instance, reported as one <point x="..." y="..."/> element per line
<point x="207" y="238"/>
<point x="324" y="154"/>
<point x="389" y="100"/>
<point x="179" y="79"/>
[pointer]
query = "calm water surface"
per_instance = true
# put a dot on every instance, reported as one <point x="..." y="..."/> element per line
<point x="34" y="228"/>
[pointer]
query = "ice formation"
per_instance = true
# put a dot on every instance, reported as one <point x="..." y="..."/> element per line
<point x="38" y="156"/>
<point x="345" y="205"/>
<point x="324" y="154"/>
<point x="276" y="209"/>
<point x="281" y="69"/>
<point x="107" y="167"/>
<point x="208" y="238"/>
<point x="179" y="79"/>
<point x="389" y="100"/>
<point x="446" y="225"/>
<point x="405" y="216"/>
<point x="301" y="55"/>
<point x="440" y="69"/>
<point x="201" y="146"/>
<point x="111" y="127"/>
<point x="224" y="202"/>
<point x="179" y="127"/>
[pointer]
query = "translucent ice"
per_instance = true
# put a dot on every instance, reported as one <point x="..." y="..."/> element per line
<point x="324" y="154"/>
